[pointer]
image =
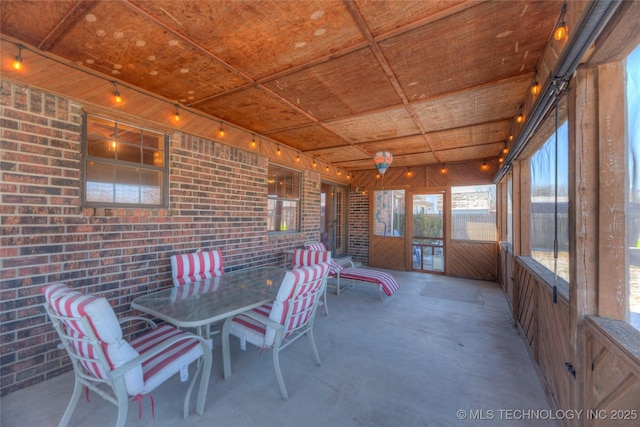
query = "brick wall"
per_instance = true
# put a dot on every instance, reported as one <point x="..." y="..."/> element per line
<point x="217" y="200"/>
<point x="359" y="227"/>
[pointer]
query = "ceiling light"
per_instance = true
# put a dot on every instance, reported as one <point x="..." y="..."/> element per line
<point x="298" y="157"/>
<point x="116" y="93"/>
<point x="409" y="173"/>
<point x="443" y="169"/>
<point x="176" y="116"/>
<point x="253" y="141"/>
<point x="520" y="118"/>
<point x="561" y="29"/>
<point x="221" y="131"/>
<point x="17" y="63"/>
<point x="535" y="87"/>
<point x="327" y="168"/>
<point x="314" y="163"/>
<point x="279" y="152"/>
<point x="485" y="166"/>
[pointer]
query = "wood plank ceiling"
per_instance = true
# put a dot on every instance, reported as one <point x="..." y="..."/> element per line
<point x="433" y="82"/>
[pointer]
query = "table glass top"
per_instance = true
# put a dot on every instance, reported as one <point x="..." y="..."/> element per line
<point x="214" y="299"/>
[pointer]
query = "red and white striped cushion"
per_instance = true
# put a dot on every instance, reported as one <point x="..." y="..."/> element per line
<point x="188" y="268"/>
<point x="387" y="281"/>
<point x="317" y="246"/>
<point x="307" y="257"/>
<point x="69" y="303"/>
<point x="162" y="366"/>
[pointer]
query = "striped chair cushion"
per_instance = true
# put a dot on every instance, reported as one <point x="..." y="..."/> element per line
<point x="307" y="257"/>
<point x="387" y="281"/>
<point x="162" y="366"/>
<point x="188" y="268"/>
<point x="315" y="246"/>
<point x="69" y="303"/>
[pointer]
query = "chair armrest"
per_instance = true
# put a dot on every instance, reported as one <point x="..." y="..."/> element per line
<point x="120" y="371"/>
<point x="149" y="322"/>
<point x="263" y="319"/>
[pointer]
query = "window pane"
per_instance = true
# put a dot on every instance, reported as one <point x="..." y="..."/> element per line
<point x="127" y="185"/>
<point x="283" y="190"/>
<point x="100" y="182"/>
<point x="633" y="173"/>
<point x="389" y="208"/>
<point x="544" y="225"/>
<point x="127" y="153"/>
<point x="283" y="215"/>
<point x="473" y="213"/>
<point x="151" y="187"/>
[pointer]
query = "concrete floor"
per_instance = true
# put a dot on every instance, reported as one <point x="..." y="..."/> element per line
<point x="438" y="346"/>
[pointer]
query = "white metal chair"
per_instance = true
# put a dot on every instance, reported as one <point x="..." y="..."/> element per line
<point x="276" y="325"/>
<point x="113" y="368"/>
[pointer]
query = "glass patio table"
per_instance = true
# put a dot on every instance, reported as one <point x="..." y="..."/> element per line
<point x="213" y="300"/>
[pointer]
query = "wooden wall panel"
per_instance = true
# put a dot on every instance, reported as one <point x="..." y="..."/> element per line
<point x="614" y="382"/>
<point x="546" y="327"/>
<point x="553" y="345"/>
<point x="472" y="260"/>
<point x="526" y="313"/>
<point x="387" y="252"/>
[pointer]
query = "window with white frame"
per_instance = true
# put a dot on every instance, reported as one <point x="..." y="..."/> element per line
<point x="124" y="165"/>
<point x="284" y="191"/>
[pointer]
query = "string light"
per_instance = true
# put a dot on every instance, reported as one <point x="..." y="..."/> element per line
<point x="116" y="93"/>
<point x="176" y="116"/>
<point x="443" y="169"/>
<point x="561" y="29"/>
<point x="535" y="88"/>
<point x="253" y="140"/>
<point x="221" y="131"/>
<point x="409" y="173"/>
<point x="520" y="118"/>
<point x="505" y="150"/>
<point x="484" y="166"/>
<point x="17" y="62"/>
<point x="279" y="152"/>
<point x="314" y="163"/>
<point x="298" y="158"/>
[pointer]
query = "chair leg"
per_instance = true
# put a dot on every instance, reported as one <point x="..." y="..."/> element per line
<point x="325" y="306"/>
<point x="276" y="365"/>
<point x="122" y="397"/>
<point x="75" y="397"/>
<point x="312" y="341"/>
<point x="204" y="380"/>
